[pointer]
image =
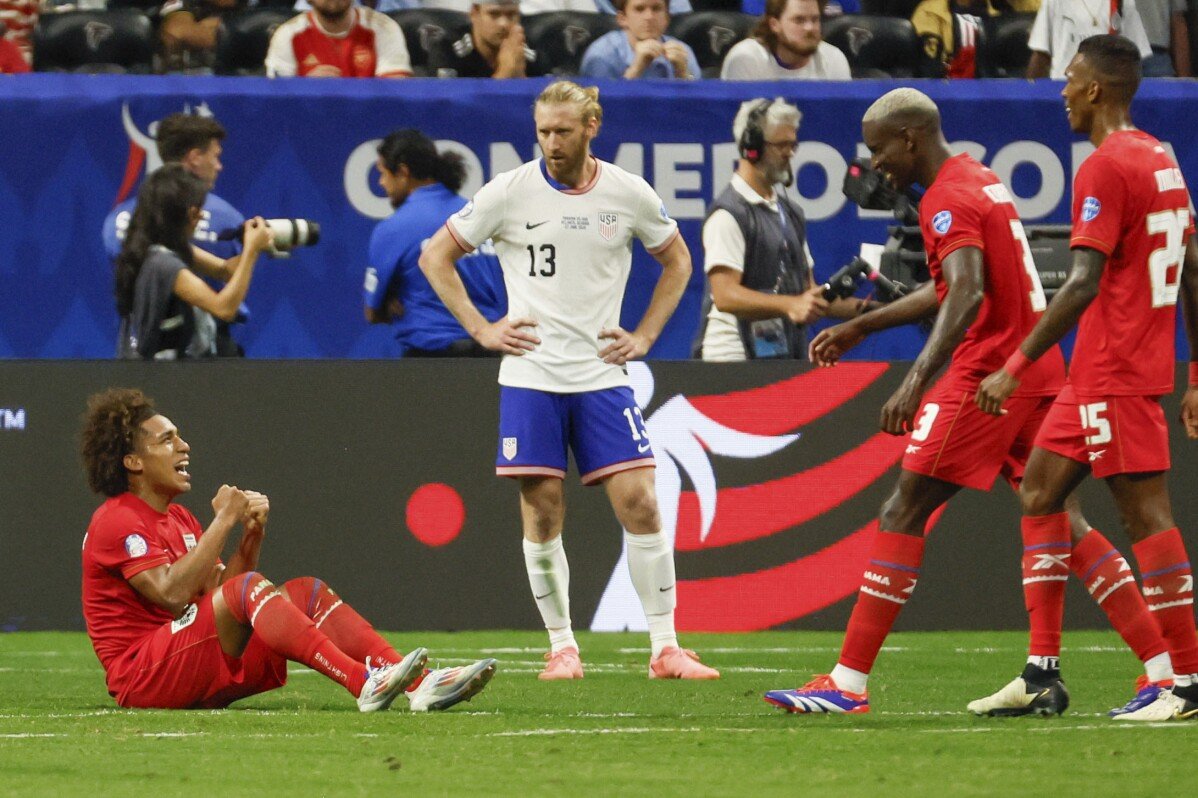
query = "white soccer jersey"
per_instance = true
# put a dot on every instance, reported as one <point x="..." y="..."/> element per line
<point x="566" y="256"/>
<point x="1061" y="25"/>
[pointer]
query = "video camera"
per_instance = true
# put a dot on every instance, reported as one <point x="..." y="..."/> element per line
<point x="843" y="283"/>
<point x="903" y="260"/>
<point x="286" y="234"/>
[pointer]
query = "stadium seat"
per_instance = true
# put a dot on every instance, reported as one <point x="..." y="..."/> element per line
<point x="711" y="34"/>
<point x="889" y="8"/>
<point x="425" y="29"/>
<point x="879" y="47"/>
<point x="120" y="40"/>
<point x="715" y="5"/>
<point x="243" y="39"/>
<point x="1006" y="54"/>
<point x="561" y="37"/>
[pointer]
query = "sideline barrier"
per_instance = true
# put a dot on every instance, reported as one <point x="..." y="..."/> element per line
<point x="305" y="148"/>
<point x="381" y="481"/>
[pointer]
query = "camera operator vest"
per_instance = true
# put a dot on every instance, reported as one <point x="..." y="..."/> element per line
<point x="775" y="263"/>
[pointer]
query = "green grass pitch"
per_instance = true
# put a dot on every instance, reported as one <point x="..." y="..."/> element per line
<point x="613" y="733"/>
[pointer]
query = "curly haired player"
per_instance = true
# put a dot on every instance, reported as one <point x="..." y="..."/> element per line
<point x="176" y="628"/>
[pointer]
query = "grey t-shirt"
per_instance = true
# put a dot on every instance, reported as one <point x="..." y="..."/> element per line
<point x="1157" y="18"/>
<point x="162" y="326"/>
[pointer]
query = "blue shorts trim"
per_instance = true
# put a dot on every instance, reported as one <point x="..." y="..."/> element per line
<point x="538" y="430"/>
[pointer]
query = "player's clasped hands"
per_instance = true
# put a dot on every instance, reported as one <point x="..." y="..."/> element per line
<point x="995" y="390"/>
<point x="624" y="346"/>
<point x="827" y="347"/>
<point x="230" y="502"/>
<point x="257" y="511"/>
<point x="510" y="336"/>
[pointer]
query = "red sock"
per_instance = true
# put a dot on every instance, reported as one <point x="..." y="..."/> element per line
<point x="1046" y="550"/>
<point x="890" y="577"/>
<point x="1169" y="589"/>
<point x="348" y="630"/>
<point x="1108" y="577"/>
<point x="287" y="631"/>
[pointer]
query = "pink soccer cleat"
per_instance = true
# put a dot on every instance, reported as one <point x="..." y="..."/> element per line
<point x="679" y="663"/>
<point x="564" y="664"/>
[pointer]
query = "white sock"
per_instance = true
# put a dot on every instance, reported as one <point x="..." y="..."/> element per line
<point x="651" y="566"/>
<point x="848" y="679"/>
<point x="1185" y="679"/>
<point x="549" y="578"/>
<point x="1044" y="663"/>
<point x="1159" y="668"/>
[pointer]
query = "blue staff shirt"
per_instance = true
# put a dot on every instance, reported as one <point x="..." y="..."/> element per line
<point x="395" y="247"/>
<point x="218" y="215"/>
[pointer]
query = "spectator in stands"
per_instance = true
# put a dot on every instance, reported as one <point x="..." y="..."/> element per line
<point x="188" y="31"/>
<point x="676" y="7"/>
<point x="786" y="45"/>
<point x="12" y="61"/>
<point x="156" y="293"/>
<point x="494" y="47"/>
<point x="1169" y="36"/>
<point x="1061" y="25"/>
<point x="950" y="29"/>
<point x="18" y="18"/>
<point x="422" y="185"/>
<point x="338" y="39"/>
<point x="762" y="291"/>
<point x="640" y="49"/>
<point x="195" y="142"/>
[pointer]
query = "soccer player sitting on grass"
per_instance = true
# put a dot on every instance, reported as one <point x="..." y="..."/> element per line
<point x="175" y="628"/>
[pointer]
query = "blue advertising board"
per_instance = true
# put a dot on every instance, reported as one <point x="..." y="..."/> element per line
<point x="76" y="145"/>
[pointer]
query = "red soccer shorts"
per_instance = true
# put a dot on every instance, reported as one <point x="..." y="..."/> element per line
<point x="954" y="441"/>
<point x="1111" y="434"/>
<point x="182" y="666"/>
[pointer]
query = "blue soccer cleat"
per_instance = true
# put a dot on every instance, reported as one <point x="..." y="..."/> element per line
<point x="1146" y="694"/>
<point x="820" y="695"/>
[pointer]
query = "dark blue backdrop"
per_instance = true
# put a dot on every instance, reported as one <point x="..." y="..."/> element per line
<point x="303" y="148"/>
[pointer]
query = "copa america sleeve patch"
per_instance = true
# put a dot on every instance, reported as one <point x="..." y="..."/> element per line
<point x="135" y="546"/>
<point x="1091" y="207"/>
<point x="942" y="221"/>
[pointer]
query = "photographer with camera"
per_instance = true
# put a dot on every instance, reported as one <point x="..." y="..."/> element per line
<point x="158" y="297"/>
<point x="762" y="292"/>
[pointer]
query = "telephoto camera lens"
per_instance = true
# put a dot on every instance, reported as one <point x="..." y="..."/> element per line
<point x="291" y="233"/>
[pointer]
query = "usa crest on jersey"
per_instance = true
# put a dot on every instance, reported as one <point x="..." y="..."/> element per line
<point x="509" y="448"/>
<point x="609" y="222"/>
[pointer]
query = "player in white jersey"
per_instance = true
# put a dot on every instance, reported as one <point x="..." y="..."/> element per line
<point x="563" y="227"/>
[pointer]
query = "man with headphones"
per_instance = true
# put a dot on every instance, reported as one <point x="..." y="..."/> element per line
<point x="762" y="291"/>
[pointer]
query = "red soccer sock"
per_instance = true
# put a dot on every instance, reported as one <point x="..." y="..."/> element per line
<point x="889" y="579"/>
<point x="1169" y="590"/>
<point x="288" y="632"/>
<point x="1046" y="550"/>
<point x="348" y="630"/>
<point x="1111" y="584"/>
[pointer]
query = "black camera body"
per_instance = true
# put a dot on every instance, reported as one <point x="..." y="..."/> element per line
<point x="903" y="263"/>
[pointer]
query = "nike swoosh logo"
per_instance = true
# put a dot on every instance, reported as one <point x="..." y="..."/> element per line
<point x="538" y="598"/>
<point x="665" y="589"/>
<point x="643" y="448"/>
<point x="530" y="225"/>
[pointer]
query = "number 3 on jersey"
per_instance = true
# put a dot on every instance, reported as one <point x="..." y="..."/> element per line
<point x="1036" y="295"/>
<point x="1164" y="264"/>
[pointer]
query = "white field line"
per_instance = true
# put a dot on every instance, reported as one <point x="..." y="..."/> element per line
<point x="999" y="650"/>
<point x="776" y="650"/>
<point x="24" y="735"/>
<point x="629" y="730"/>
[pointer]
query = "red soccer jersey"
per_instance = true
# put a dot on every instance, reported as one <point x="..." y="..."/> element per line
<point x="374" y="46"/>
<point x="1130" y="203"/>
<point x="127" y="536"/>
<point x="968" y="206"/>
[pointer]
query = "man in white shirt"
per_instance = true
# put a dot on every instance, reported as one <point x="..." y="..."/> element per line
<point x="1061" y="25"/>
<point x="786" y="45"/>
<point x="562" y="227"/>
<point x="759" y="267"/>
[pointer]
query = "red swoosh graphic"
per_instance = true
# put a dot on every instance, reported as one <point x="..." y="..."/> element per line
<point x="137" y="159"/>
<point x="757" y="511"/>
<point x="791" y="403"/>
<point x="763" y="599"/>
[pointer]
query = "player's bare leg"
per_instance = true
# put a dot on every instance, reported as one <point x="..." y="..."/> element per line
<point x="249" y="603"/>
<point x="633" y="497"/>
<point x="1144" y="507"/>
<point x="542" y="513"/>
<point x="891" y="573"/>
